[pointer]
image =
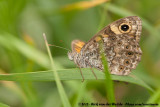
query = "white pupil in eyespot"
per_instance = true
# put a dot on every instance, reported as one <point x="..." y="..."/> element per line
<point x="124" y="27"/>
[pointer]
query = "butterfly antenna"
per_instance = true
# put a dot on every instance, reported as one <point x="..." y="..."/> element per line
<point x="58" y="47"/>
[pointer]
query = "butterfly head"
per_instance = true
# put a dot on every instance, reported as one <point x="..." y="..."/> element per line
<point x="76" y="48"/>
<point x="70" y="55"/>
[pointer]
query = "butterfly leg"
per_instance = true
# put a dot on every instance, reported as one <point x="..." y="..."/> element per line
<point x="81" y="73"/>
<point x="92" y="70"/>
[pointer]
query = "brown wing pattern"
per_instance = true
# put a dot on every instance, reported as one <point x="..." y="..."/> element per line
<point x="121" y="46"/>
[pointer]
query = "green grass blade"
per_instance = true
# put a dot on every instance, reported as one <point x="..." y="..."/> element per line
<point x="72" y="74"/>
<point x="4" y="105"/>
<point x="61" y="91"/>
<point x="26" y="50"/>
<point x="109" y="83"/>
<point x="155" y="98"/>
<point x="81" y="92"/>
<point x="22" y="47"/>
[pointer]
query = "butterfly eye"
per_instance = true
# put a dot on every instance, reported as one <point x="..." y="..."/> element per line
<point x="125" y="27"/>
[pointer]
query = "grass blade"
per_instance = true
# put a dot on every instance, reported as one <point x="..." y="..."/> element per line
<point x="155" y="98"/>
<point x="61" y="91"/>
<point x="109" y="84"/>
<point x="72" y="74"/>
<point x="82" y="5"/>
<point x="3" y="105"/>
<point x="81" y="92"/>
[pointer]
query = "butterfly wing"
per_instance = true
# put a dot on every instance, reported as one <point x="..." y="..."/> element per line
<point x="121" y="45"/>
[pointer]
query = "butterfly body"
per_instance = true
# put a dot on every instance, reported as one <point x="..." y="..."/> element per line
<point x="121" y="47"/>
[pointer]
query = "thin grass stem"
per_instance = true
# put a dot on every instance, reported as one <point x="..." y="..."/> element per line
<point x="61" y="91"/>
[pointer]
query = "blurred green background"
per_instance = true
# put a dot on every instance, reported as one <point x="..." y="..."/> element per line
<point x="22" y="48"/>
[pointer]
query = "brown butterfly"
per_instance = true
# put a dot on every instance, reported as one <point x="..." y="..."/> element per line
<point x="121" y="46"/>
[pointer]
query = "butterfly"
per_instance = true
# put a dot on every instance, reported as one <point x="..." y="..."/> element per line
<point x="121" y="47"/>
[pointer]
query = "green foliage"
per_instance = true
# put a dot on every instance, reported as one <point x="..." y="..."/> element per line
<point x="57" y="79"/>
<point x="3" y="105"/>
<point x="72" y="74"/>
<point x="155" y="98"/>
<point x="108" y="80"/>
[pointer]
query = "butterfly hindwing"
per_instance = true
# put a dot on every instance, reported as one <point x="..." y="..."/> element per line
<point x="121" y="45"/>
